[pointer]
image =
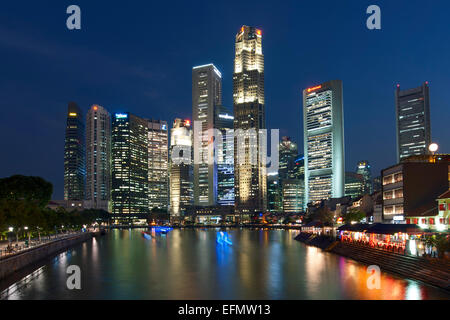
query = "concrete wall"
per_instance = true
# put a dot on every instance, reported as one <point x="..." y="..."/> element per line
<point x="14" y="263"/>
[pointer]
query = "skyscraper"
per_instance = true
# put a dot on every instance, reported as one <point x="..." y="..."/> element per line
<point x="274" y="196"/>
<point x="181" y="186"/>
<point x="323" y="125"/>
<point x="354" y="184"/>
<point x="74" y="155"/>
<point x="225" y="158"/>
<point x="288" y="151"/>
<point x="98" y="158"/>
<point x="158" y="164"/>
<point x="412" y="108"/>
<point x="206" y="97"/>
<point x="129" y="188"/>
<point x="249" y="117"/>
<point x="363" y="169"/>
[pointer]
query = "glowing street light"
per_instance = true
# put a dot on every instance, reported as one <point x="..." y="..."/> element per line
<point x="433" y="147"/>
<point x="10" y="229"/>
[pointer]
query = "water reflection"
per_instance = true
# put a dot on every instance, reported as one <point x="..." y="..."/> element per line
<point x="189" y="264"/>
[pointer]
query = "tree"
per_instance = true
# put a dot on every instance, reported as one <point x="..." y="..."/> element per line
<point x="354" y="215"/>
<point x="29" y="189"/>
<point x="322" y="214"/>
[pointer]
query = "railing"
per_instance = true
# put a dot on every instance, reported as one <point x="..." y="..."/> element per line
<point x="12" y="249"/>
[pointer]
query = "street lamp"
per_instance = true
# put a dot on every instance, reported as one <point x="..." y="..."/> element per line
<point x="433" y="147"/>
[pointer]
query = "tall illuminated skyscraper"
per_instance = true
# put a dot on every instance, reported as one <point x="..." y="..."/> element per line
<point x="181" y="186"/>
<point x="74" y="155"/>
<point x="412" y="108"/>
<point x="249" y="116"/>
<point x="206" y="97"/>
<point x="225" y="158"/>
<point x="323" y="125"/>
<point x="98" y="158"/>
<point x="288" y="151"/>
<point x="129" y="188"/>
<point x="158" y="164"/>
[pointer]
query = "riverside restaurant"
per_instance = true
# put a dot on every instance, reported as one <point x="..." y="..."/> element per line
<point x="400" y="238"/>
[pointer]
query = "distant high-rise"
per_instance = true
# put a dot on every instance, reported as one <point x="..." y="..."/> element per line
<point x="158" y="164"/>
<point x="293" y="196"/>
<point x="412" y="108"/>
<point x="274" y="196"/>
<point x="98" y="158"/>
<point x="249" y="117"/>
<point x="288" y="151"/>
<point x="323" y="123"/>
<point x="129" y="187"/>
<point x="206" y="97"/>
<point x="181" y="185"/>
<point x="354" y="184"/>
<point x="74" y="155"/>
<point x="225" y="158"/>
<point x="363" y="169"/>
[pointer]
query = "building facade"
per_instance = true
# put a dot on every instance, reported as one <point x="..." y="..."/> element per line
<point x="158" y="164"/>
<point x="74" y="155"/>
<point x="249" y="118"/>
<point x="413" y="121"/>
<point x="323" y="122"/>
<point x="225" y="158"/>
<point x="274" y="193"/>
<point x="293" y="195"/>
<point x="288" y="152"/>
<point x="363" y="168"/>
<point x="206" y="97"/>
<point x="129" y="172"/>
<point x="181" y="173"/>
<point x="98" y="158"/>
<point x="410" y="188"/>
<point x="354" y="184"/>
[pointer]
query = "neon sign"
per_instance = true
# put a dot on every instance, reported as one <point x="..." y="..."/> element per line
<point x="121" y="115"/>
<point x="314" y="88"/>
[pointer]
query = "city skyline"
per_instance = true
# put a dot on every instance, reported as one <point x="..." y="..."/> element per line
<point x="378" y="91"/>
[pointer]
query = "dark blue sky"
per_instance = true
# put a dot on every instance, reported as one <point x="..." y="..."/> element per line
<point x="137" y="56"/>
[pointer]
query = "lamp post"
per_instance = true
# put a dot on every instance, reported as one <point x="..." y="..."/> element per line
<point x="433" y="147"/>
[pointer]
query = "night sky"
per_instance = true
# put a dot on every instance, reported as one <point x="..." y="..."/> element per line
<point x="137" y="56"/>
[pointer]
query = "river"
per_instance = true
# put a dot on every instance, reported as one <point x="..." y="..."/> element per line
<point x="189" y="264"/>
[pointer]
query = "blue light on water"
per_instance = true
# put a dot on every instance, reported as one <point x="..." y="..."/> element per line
<point x="223" y="238"/>
<point x="162" y="229"/>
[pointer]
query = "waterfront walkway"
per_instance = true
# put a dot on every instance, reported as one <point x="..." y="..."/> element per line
<point x="433" y="271"/>
<point x="8" y="249"/>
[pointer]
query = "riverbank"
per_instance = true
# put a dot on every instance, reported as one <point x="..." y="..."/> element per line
<point x="225" y="226"/>
<point x="435" y="272"/>
<point x="16" y="262"/>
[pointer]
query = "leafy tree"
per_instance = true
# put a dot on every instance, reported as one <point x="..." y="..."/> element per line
<point x="354" y="215"/>
<point x="29" y="189"/>
<point x="322" y="214"/>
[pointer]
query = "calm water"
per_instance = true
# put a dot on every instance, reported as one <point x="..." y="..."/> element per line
<point x="188" y="264"/>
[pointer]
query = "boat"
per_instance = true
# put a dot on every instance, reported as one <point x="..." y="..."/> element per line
<point x="146" y="235"/>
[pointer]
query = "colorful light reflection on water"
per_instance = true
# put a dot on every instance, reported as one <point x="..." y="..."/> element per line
<point x="190" y="264"/>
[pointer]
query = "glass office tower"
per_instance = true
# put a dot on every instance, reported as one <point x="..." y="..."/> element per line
<point x="74" y="155"/>
<point x="249" y="118"/>
<point x="98" y="158"/>
<point x="323" y="125"/>
<point x="412" y="108"/>
<point x="129" y="187"/>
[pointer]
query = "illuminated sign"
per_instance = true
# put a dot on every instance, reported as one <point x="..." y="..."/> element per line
<point x="226" y="116"/>
<point x="121" y="115"/>
<point x="72" y="114"/>
<point x="314" y="88"/>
